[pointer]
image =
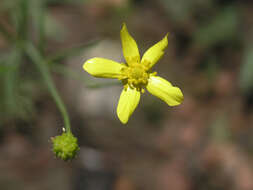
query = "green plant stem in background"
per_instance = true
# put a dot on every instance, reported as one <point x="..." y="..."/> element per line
<point x="42" y="39"/>
<point x="72" y="52"/>
<point x="38" y="19"/>
<point x="10" y="78"/>
<point x="22" y="19"/>
<point x="35" y="56"/>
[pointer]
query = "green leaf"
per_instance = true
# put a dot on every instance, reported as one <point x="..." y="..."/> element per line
<point x="221" y="28"/>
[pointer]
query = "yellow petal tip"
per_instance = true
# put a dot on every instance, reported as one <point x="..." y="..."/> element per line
<point x="164" y="90"/>
<point x="122" y="117"/>
<point x="128" y="101"/>
<point x="179" y="97"/>
<point x="123" y="25"/>
<point x="123" y="121"/>
<point x="165" y="40"/>
<point x="85" y="65"/>
<point x="124" y="28"/>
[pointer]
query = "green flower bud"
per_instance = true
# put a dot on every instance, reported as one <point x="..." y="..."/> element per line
<point x="65" y="146"/>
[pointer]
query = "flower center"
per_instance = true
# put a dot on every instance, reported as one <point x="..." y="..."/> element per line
<point x="137" y="73"/>
<point x="136" y="76"/>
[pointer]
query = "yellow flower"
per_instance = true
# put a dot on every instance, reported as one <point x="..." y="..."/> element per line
<point x="135" y="75"/>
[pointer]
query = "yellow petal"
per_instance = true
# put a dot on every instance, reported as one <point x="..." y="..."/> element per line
<point x="163" y="89"/>
<point x="129" y="46"/>
<point x="154" y="53"/>
<point x="100" y="67"/>
<point x="128" y="101"/>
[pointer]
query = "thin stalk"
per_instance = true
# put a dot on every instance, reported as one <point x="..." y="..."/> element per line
<point x="38" y="60"/>
<point x="41" y="27"/>
<point x="23" y="17"/>
<point x="9" y="81"/>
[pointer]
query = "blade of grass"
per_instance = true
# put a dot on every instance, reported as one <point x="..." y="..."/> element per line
<point x="71" y="52"/>
<point x="10" y="78"/>
<point x="42" y="39"/>
<point x="38" y="13"/>
<point x="221" y="28"/>
<point x="22" y="19"/>
<point x="71" y="2"/>
<point x="5" y="68"/>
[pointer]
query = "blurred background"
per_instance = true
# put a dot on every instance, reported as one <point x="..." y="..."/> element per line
<point x="205" y="143"/>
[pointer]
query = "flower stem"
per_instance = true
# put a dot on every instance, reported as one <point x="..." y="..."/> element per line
<point x="35" y="56"/>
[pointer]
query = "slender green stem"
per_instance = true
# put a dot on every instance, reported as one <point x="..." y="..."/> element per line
<point x="41" y="27"/>
<point x="35" y="56"/>
<point x="10" y="78"/>
<point x="23" y="19"/>
<point x="71" y="52"/>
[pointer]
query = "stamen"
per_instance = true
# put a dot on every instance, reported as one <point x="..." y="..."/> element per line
<point x="136" y="75"/>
